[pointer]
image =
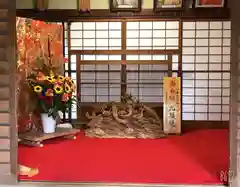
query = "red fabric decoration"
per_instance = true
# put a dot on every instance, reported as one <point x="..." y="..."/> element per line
<point x="210" y="2"/>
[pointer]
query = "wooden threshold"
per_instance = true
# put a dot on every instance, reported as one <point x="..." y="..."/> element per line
<point x="125" y="62"/>
<point x="125" y="52"/>
<point x="192" y="125"/>
<point x="188" y="126"/>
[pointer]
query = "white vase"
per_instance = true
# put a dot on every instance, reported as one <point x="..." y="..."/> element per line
<point x="48" y="123"/>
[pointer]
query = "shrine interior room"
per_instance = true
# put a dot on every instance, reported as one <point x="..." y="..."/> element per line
<point x="149" y="91"/>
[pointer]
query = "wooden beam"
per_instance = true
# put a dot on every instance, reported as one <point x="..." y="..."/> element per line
<point x="125" y="61"/>
<point x="126" y="52"/>
<point x="75" y="15"/>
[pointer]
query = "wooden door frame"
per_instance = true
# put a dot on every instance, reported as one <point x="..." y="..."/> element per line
<point x="7" y="174"/>
<point x="7" y="178"/>
<point x="234" y="128"/>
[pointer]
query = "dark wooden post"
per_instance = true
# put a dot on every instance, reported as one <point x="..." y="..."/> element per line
<point x="8" y="104"/>
<point x="234" y="177"/>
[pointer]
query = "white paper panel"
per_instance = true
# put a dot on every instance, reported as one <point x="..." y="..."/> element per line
<point x="201" y="116"/>
<point x="95" y="35"/>
<point x="140" y="84"/>
<point x="152" y="35"/>
<point x="206" y="54"/>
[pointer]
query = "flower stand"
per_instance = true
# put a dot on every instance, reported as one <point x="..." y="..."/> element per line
<point x="37" y="138"/>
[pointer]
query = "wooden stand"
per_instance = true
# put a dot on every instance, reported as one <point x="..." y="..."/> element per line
<point x="36" y="138"/>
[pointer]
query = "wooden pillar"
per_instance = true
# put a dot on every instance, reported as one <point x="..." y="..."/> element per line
<point x="234" y="172"/>
<point x="8" y="125"/>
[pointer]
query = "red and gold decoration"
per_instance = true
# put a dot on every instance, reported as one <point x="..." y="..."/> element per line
<point x="209" y="3"/>
<point x="36" y="41"/>
<point x="172" y="105"/>
<point x="36" y="38"/>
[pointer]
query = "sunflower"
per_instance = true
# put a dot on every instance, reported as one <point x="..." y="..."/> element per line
<point x="68" y="78"/>
<point x="72" y="82"/>
<point x="67" y="88"/>
<point x="60" y="78"/>
<point x="73" y="85"/>
<point x="37" y="89"/>
<point x="58" y="89"/>
<point x="50" y="78"/>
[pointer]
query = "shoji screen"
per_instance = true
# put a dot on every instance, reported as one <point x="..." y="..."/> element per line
<point x="99" y="81"/>
<point x="153" y="35"/>
<point x="95" y="35"/>
<point x="146" y="81"/>
<point x="206" y="70"/>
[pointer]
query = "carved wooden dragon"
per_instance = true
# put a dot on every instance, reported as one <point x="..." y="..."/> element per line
<point x="129" y="119"/>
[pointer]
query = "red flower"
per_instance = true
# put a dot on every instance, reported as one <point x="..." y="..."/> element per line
<point x="58" y="83"/>
<point x="65" y="60"/>
<point x="41" y="97"/>
<point x="49" y="92"/>
<point x="65" y="97"/>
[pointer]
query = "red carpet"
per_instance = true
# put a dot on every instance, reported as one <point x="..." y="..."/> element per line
<point x="193" y="158"/>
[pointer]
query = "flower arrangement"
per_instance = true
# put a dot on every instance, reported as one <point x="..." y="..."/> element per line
<point x="52" y="92"/>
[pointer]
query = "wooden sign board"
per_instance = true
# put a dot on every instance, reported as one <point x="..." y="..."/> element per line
<point x="172" y="105"/>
